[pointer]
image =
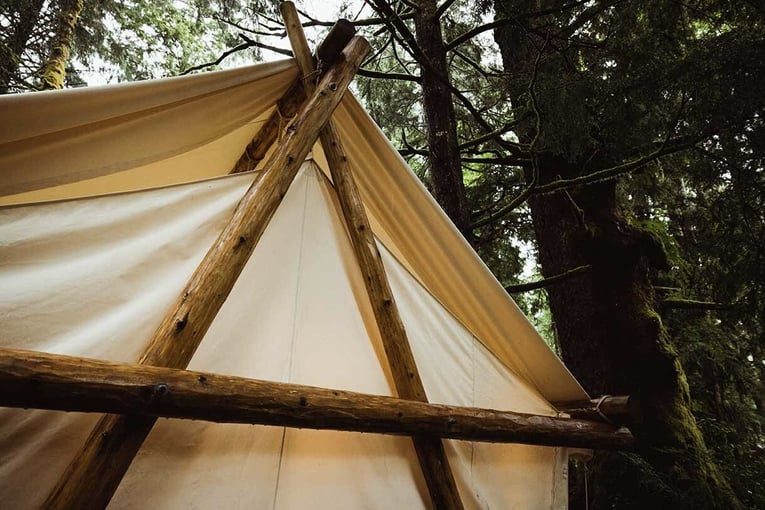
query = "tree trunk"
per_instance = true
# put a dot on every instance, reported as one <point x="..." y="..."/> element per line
<point x="609" y="333"/>
<point x="443" y="146"/>
<point x="16" y="42"/>
<point x="54" y="71"/>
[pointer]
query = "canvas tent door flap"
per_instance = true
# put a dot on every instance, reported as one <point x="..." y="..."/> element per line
<point x="112" y="205"/>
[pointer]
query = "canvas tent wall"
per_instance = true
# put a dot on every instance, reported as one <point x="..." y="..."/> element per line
<point x="92" y="275"/>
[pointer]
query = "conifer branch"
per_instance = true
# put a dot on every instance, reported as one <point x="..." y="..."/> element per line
<point x="545" y="282"/>
<point x="692" y="304"/>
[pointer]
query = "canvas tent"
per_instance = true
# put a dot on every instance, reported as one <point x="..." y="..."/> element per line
<point x="111" y="198"/>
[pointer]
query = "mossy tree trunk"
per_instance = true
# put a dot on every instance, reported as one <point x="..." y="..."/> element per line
<point x="609" y="333"/>
<point x="614" y="343"/>
<point x="54" y="71"/>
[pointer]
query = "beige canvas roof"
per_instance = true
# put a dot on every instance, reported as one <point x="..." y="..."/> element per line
<point x="110" y="139"/>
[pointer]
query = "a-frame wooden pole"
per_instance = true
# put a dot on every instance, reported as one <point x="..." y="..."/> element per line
<point x="286" y="107"/>
<point x="94" y="474"/>
<point x="430" y="450"/>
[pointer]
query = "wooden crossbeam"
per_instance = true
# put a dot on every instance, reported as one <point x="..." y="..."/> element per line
<point x="430" y="450"/>
<point x="614" y="409"/>
<point x="94" y="474"/>
<point x="68" y="383"/>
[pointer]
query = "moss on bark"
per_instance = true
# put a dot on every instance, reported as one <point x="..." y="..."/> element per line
<point x="54" y="71"/>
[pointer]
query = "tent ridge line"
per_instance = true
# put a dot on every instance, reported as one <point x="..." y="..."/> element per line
<point x="430" y="451"/>
<point x="68" y="383"/>
<point x="95" y="472"/>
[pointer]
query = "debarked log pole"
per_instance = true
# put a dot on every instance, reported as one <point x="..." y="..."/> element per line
<point x="95" y="472"/>
<point x="613" y="409"/>
<point x="286" y="108"/>
<point x="48" y="381"/>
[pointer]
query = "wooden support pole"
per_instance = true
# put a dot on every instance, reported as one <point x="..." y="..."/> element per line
<point x="338" y="36"/>
<point x="94" y="474"/>
<point x="286" y="108"/>
<point x="430" y="450"/>
<point x="67" y="383"/>
<point x="617" y="410"/>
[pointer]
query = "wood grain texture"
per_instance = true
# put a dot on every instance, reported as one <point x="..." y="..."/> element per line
<point x="430" y="450"/>
<point x="67" y="383"/>
<point x="94" y="474"/>
<point x="286" y="108"/>
<point x="614" y="409"/>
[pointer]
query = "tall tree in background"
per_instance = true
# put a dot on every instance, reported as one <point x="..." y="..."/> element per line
<point x="611" y="88"/>
<point x="54" y="69"/>
<point x="19" y="21"/>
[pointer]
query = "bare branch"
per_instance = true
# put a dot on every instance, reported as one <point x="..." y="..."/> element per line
<point x="388" y="76"/>
<point x="274" y="31"/>
<point x="692" y="304"/>
<point x="614" y="171"/>
<point x="488" y="136"/>
<point x="247" y="44"/>
<point x="546" y="282"/>
<point x="280" y="51"/>
<point x="531" y="188"/>
<point x="509" y="161"/>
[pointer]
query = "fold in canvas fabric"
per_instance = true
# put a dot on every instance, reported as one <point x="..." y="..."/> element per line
<point x="93" y="277"/>
<point x="58" y="137"/>
<point x="146" y="134"/>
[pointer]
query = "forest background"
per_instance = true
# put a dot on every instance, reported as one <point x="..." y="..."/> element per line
<point x="604" y="157"/>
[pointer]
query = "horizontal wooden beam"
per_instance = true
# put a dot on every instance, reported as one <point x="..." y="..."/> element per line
<point x="613" y="409"/>
<point x="48" y="381"/>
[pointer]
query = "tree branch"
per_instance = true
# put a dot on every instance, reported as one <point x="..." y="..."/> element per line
<point x="519" y="199"/>
<point x="612" y="172"/>
<point x="546" y="282"/>
<point x="247" y="44"/>
<point x="388" y="76"/>
<point x="692" y="304"/>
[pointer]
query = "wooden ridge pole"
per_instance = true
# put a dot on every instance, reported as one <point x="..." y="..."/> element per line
<point x="68" y="383"/>
<point x="430" y="450"/>
<point x="94" y="474"/>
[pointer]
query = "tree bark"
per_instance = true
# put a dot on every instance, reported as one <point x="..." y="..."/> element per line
<point x="609" y="333"/>
<point x="443" y="145"/>
<point x="54" y="71"/>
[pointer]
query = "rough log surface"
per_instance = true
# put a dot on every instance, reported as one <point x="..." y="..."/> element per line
<point x="430" y="450"/>
<point x="286" y="108"/>
<point x="338" y="36"/>
<point x="615" y="409"/>
<point x="67" y="383"/>
<point x="97" y="469"/>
